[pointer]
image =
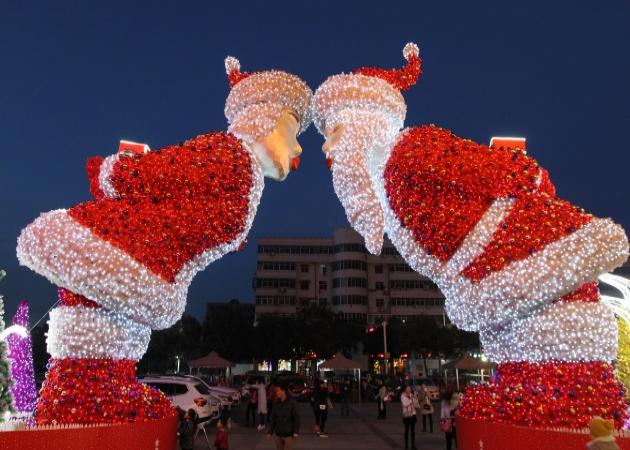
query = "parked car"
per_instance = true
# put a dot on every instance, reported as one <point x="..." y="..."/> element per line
<point x="186" y="393"/>
<point x="432" y="389"/>
<point x="228" y="396"/>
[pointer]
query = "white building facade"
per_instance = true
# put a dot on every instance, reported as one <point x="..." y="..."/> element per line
<point x="338" y="273"/>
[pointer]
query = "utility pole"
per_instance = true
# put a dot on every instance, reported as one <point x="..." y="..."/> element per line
<point x="385" y="352"/>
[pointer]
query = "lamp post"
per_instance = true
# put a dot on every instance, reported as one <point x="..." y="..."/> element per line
<point x="385" y="352"/>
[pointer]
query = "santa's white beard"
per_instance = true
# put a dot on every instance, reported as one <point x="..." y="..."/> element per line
<point x="351" y="177"/>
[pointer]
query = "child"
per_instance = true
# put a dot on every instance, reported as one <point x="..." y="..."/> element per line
<point x="221" y="438"/>
<point x="601" y="431"/>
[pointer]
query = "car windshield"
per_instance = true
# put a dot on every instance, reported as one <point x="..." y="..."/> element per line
<point x="203" y="390"/>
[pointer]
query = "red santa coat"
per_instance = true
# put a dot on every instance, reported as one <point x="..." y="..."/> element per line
<point x="485" y="224"/>
<point x="156" y="220"/>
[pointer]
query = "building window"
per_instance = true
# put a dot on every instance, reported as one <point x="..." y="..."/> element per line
<point x="416" y="302"/>
<point x="275" y="300"/>
<point x="349" y="265"/>
<point x="412" y="284"/>
<point x="390" y="251"/>
<point x="304" y="284"/>
<point x="322" y="269"/>
<point x="294" y="249"/>
<point x="355" y="317"/>
<point x="275" y="283"/>
<point x="323" y="285"/>
<point x="304" y="268"/>
<point x="304" y="302"/>
<point x="342" y="248"/>
<point x="323" y="303"/>
<point x="349" y="300"/>
<point x="379" y="286"/>
<point x="276" y="265"/>
<point x="400" y="268"/>
<point x="380" y="303"/>
<point x="378" y="268"/>
<point x="349" y="282"/>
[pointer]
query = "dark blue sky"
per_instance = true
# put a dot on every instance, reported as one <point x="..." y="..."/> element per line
<point x="75" y="77"/>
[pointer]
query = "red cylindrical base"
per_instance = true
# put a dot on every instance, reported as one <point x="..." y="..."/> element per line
<point x="554" y="394"/>
<point x="149" y="435"/>
<point x="96" y="391"/>
<point x="478" y="434"/>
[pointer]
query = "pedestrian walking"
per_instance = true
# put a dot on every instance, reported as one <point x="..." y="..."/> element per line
<point x="448" y="407"/>
<point x="601" y="431"/>
<point x="410" y="405"/>
<point x="187" y="428"/>
<point x="314" y="395"/>
<point x="221" y="438"/>
<point x="285" y="422"/>
<point x="322" y="404"/>
<point x="344" y="395"/>
<point x="381" y="398"/>
<point x="252" y="406"/>
<point x="426" y="408"/>
<point x="262" y="404"/>
<point x="271" y="397"/>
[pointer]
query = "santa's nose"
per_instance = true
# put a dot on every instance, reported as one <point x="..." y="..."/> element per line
<point x="297" y="150"/>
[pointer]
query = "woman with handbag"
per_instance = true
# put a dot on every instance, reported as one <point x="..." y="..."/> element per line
<point x="426" y="408"/>
<point x="410" y="405"/>
<point x="447" y="418"/>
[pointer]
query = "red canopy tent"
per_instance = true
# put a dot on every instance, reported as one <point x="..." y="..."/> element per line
<point x="211" y="361"/>
<point x="340" y="362"/>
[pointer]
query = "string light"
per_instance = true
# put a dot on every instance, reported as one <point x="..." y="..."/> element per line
<point x="77" y="332"/>
<point x="256" y="100"/>
<point x="21" y="356"/>
<point x="564" y="331"/>
<point x="513" y="261"/>
<point x="126" y="259"/>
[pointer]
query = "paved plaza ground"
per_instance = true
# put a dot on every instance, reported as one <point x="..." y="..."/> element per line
<point x="359" y="431"/>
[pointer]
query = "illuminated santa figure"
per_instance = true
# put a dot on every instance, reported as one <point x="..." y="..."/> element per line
<point x="124" y="261"/>
<point x="515" y="262"/>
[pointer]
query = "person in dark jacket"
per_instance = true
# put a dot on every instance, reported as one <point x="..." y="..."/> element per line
<point x="322" y="403"/>
<point x="344" y="395"/>
<point x="187" y="428"/>
<point x="285" y="422"/>
<point x="252" y="406"/>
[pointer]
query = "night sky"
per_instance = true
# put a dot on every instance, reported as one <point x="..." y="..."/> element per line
<point x="75" y="77"/>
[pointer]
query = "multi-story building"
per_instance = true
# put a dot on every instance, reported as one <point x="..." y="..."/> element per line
<point x="339" y="273"/>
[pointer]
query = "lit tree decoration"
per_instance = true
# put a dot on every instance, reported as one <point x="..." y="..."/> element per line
<point x="6" y="399"/>
<point x="21" y="357"/>
<point x="623" y="357"/>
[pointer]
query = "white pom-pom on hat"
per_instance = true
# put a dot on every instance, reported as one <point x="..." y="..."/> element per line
<point x="231" y="63"/>
<point x="411" y="49"/>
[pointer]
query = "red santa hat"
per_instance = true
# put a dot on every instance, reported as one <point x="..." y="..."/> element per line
<point x="369" y="88"/>
<point x="256" y="100"/>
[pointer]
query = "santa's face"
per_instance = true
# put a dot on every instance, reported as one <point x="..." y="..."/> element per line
<point x="350" y="137"/>
<point x="279" y="151"/>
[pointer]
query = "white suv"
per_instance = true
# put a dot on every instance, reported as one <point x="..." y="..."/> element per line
<point x="232" y="395"/>
<point x="187" y="393"/>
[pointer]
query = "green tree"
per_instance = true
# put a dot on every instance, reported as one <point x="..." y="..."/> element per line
<point x="275" y="338"/>
<point x="181" y="340"/>
<point x="323" y="332"/>
<point x="229" y="330"/>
